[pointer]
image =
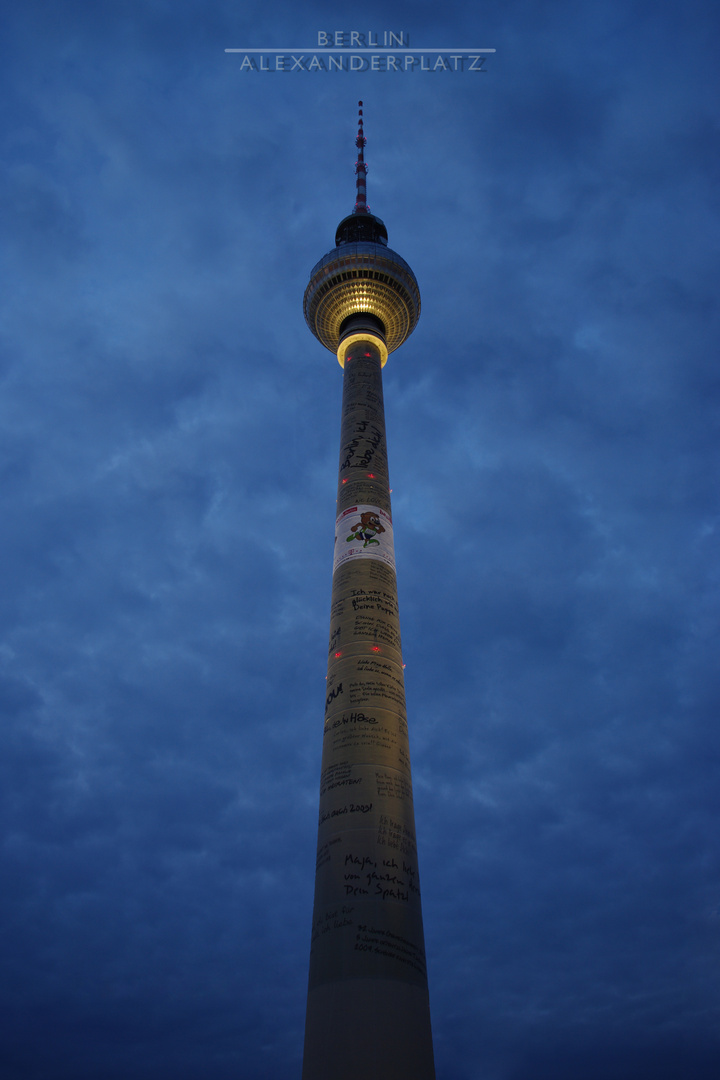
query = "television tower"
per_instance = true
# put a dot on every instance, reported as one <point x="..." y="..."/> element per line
<point x="368" y="1013"/>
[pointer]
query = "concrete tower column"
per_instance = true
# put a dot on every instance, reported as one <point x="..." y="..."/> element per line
<point x="368" y="1015"/>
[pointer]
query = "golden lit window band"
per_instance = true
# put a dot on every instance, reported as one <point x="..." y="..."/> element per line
<point x="363" y="335"/>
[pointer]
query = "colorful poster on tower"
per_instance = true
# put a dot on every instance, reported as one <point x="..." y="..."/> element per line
<point x="364" y="532"/>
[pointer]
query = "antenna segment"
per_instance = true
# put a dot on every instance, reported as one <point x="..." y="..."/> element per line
<point x="361" y="206"/>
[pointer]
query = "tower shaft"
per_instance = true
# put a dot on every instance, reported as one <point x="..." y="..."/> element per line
<point x="368" y="1015"/>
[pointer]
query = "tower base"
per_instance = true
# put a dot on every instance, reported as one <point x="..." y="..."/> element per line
<point x="368" y="1029"/>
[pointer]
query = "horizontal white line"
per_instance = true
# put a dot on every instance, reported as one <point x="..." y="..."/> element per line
<point x="319" y="49"/>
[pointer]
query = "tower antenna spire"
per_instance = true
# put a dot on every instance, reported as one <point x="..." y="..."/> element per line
<point x="361" y="206"/>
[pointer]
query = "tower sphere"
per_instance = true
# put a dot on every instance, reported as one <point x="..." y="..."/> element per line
<point x="361" y="276"/>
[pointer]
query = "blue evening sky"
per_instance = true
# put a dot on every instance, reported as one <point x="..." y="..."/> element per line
<point x="168" y="452"/>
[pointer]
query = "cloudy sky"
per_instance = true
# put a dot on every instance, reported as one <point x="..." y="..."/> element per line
<point x="168" y="452"/>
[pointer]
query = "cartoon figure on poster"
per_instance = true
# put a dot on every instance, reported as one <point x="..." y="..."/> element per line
<point x="366" y="529"/>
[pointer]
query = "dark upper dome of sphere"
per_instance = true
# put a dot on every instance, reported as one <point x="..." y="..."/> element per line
<point x="365" y="227"/>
